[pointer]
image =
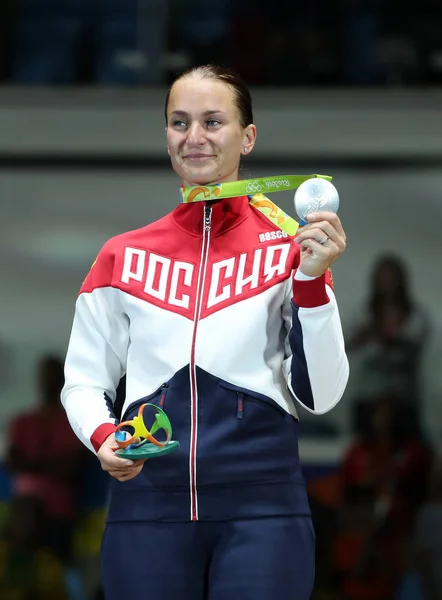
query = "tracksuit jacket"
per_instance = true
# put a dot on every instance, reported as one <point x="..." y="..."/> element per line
<point x="207" y="315"/>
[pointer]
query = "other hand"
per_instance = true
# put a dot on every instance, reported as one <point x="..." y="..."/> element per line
<point x="120" y="468"/>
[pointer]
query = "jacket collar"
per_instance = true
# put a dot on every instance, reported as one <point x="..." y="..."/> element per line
<point x="226" y="214"/>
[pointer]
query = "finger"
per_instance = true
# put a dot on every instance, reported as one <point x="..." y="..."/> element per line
<point x="125" y="475"/>
<point x="330" y="217"/>
<point x="119" y="473"/>
<point x="323" y="251"/>
<point x="333" y="220"/>
<point x="320" y="224"/>
<point x="109" y="461"/>
<point x="321" y="232"/>
<point x="318" y="233"/>
<point x="136" y="467"/>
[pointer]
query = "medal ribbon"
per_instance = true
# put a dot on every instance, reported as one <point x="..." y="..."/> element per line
<point x="255" y="190"/>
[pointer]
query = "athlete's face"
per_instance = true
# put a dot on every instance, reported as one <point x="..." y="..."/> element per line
<point x="205" y="139"/>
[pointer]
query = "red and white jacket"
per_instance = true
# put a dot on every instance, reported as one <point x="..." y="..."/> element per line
<point x="205" y="312"/>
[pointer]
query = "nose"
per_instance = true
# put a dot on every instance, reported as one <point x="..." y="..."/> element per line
<point x="195" y="135"/>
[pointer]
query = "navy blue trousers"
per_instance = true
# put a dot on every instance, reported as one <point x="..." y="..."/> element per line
<point x="253" y="559"/>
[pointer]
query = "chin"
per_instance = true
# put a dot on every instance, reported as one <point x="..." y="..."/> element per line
<point x="200" y="177"/>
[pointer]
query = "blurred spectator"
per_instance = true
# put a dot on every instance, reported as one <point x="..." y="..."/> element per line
<point x="113" y="42"/>
<point x="386" y="344"/>
<point x="389" y="458"/>
<point x="361" y="29"/>
<point x="424" y="27"/>
<point x="129" y="41"/>
<point x="362" y="558"/>
<point x="28" y="569"/>
<point x="428" y="538"/>
<point x="301" y="48"/>
<point x="48" y="34"/>
<point x="247" y="58"/>
<point x="201" y="29"/>
<point x="45" y="457"/>
<point x="153" y="34"/>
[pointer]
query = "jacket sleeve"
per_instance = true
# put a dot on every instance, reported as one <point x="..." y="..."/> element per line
<point x="96" y="356"/>
<point x="316" y="367"/>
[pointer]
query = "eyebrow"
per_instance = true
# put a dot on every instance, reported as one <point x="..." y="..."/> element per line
<point x="207" y="113"/>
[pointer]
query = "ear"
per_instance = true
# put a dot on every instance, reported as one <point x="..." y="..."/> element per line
<point x="249" y="139"/>
<point x="168" y="149"/>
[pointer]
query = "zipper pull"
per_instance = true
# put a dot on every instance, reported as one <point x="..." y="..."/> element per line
<point x="163" y="395"/>
<point x="207" y="218"/>
<point x="240" y="409"/>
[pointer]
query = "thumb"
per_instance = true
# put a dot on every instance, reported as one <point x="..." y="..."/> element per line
<point x="111" y="442"/>
<point x="107" y="455"/>
<point x="117" y="461"/>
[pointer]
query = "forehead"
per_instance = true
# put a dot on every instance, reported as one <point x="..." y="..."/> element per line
<point x="193" y="94"/>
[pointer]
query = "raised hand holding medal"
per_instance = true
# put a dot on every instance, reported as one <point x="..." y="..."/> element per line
<point x="321" y="236"/>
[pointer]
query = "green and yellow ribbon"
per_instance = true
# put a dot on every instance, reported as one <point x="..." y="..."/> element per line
<point x="255" y="189"/>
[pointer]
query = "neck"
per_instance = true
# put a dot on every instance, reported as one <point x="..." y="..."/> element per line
<point x="232" y="177"/>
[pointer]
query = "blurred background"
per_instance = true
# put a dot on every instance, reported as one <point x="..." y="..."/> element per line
<point x="350" y="88"/>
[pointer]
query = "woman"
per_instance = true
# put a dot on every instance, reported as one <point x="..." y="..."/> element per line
<point x="386" y="345"/>
<point x="389" y="457"/>
<point x="196" y="309"/>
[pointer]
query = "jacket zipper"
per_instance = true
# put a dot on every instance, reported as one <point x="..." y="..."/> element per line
<point x="240" y="406"/>
<point x="164" y="388"/>
<point x="192" y="366"/>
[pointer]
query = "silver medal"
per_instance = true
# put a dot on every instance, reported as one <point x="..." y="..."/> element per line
<point x="316" y="195"/>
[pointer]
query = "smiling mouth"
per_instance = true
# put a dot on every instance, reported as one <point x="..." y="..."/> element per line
<point x="198" y="157"/>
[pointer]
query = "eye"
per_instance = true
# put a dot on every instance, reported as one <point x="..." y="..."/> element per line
<point x="213" y="123"/>
<point x="179" y="124"/>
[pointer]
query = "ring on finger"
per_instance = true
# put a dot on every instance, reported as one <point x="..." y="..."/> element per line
<point x="322" y="242"/>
